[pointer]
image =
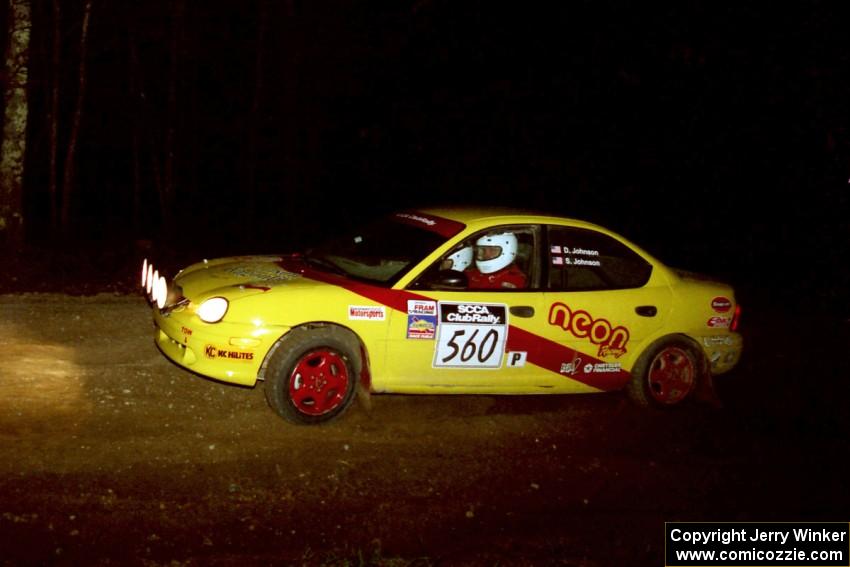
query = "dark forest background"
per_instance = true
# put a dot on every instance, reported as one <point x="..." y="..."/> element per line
<point x="715" y="135"/>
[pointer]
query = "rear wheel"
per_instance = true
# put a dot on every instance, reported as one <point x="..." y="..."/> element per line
<point x="312" y="376"/>
<point x="666" y="375"/>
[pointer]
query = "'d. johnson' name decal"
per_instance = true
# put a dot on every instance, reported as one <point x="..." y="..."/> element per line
<point x="611" y="340"/>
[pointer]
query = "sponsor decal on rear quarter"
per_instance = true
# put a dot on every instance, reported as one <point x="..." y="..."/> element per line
<point x="721" y="304"/>
<point x="719" y="322"/>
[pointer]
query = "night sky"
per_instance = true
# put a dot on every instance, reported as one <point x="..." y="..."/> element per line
<point x="715" y="135"/>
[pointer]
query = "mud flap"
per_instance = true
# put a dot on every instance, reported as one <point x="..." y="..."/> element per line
<point x="364" y="384"/>
<point x="705" y="392"/>
<point x="364" y="398"/>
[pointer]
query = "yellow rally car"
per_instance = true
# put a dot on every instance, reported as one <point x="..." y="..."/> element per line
<point x="449" y="301"/>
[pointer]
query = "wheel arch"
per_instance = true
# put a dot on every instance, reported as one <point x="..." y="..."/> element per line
<point x="704" y="386"/>
<point x="364" y="377"/>
<point x="692" y="343"/>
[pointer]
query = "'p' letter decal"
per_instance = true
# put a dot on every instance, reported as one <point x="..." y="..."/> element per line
<point x="516" y="359"/>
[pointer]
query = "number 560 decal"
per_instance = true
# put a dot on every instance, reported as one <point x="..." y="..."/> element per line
<point x="471" y="335"/>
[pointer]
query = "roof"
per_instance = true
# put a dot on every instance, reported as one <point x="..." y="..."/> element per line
<point x="468" y="215"/>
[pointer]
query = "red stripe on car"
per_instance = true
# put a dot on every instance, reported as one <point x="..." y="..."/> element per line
<point x="540" y="351"/>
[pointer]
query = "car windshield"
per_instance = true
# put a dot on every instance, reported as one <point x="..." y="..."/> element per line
<point x="380" y="252"/>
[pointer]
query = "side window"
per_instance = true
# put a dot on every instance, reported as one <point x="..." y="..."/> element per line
<point x="500" y="258"/>
<point x="583" y="260"/>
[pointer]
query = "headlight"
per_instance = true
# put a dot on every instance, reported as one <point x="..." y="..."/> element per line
<point x="212" y="310"/>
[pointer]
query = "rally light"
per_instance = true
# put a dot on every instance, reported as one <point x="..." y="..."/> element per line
<point x="144" y="272"/>
<point x="160" y="292"/>
<point x="149" y="283"/>
<point x="212" y="310"/>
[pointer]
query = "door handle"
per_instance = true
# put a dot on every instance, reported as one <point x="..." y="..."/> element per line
<point x="522" y="310"/>
<point x="646" y="310"/>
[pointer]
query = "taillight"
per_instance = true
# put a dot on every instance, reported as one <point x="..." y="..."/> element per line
<point x="736" y="319"/>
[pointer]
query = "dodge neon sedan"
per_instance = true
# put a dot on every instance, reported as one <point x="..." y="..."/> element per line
<point x="449" y="301"/>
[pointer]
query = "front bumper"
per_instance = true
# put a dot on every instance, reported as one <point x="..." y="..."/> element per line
<point x="229" y="352"/>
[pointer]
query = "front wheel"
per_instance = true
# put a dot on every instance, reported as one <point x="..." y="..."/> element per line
<point x="666" y="375"/>
<point x="312" y="375"/>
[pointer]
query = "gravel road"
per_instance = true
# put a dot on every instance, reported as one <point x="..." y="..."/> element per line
<point x="110" y="454"/>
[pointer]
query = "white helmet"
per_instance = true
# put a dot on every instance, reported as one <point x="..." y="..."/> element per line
<point x="460" y="260"/>
<point x="495" y="251"/>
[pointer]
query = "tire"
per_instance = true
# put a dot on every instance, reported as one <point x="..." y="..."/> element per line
<point x="312" y="375"/>
<point x="667" y="374"/>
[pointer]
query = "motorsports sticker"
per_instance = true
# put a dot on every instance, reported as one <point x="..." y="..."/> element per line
<point x="471" y="335"/>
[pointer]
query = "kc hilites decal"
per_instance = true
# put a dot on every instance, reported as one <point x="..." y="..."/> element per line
<point x="213" y="352"/>
<point x="612" y="340"/>
<point x="471" y="335"/>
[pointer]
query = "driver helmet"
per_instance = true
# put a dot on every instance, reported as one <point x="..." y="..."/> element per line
<point x="459" y="260"/>
<point x="494" y="252"/>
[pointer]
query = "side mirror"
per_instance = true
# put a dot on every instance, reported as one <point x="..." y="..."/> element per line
<point x="445" y="280"/>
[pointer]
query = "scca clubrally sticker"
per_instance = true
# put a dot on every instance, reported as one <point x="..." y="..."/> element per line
<point x="471" y="335"/>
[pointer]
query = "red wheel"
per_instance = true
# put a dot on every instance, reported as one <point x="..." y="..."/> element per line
<point x="672" y="375"/>
<point x="319" y="382"/>
<point x="312" y="374"/>
<point x="666" y="374"/>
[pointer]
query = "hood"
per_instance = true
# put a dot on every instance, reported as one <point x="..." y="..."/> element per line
<point x="240" y="274"/>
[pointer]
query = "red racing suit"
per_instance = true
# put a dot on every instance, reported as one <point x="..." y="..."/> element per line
<point x="510" y="277"/>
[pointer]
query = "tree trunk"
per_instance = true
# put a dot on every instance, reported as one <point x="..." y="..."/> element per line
<point x="168" y="179"/>
<point x="68" y="176"/>
<point x="13" y="149"/>
<point x="254" y="118"/>
<point x="53" y="117"/>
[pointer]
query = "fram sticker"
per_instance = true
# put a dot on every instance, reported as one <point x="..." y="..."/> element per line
<point x="612" y="340"/>
<point x="721" y="304"/>
<point x="367" y="313"/>
<point x="415" y="307"/>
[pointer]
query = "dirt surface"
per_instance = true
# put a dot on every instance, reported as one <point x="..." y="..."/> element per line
<point x="109" y="454"/>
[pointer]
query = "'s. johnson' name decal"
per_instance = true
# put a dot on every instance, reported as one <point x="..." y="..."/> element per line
<point x="612" y="340"/>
